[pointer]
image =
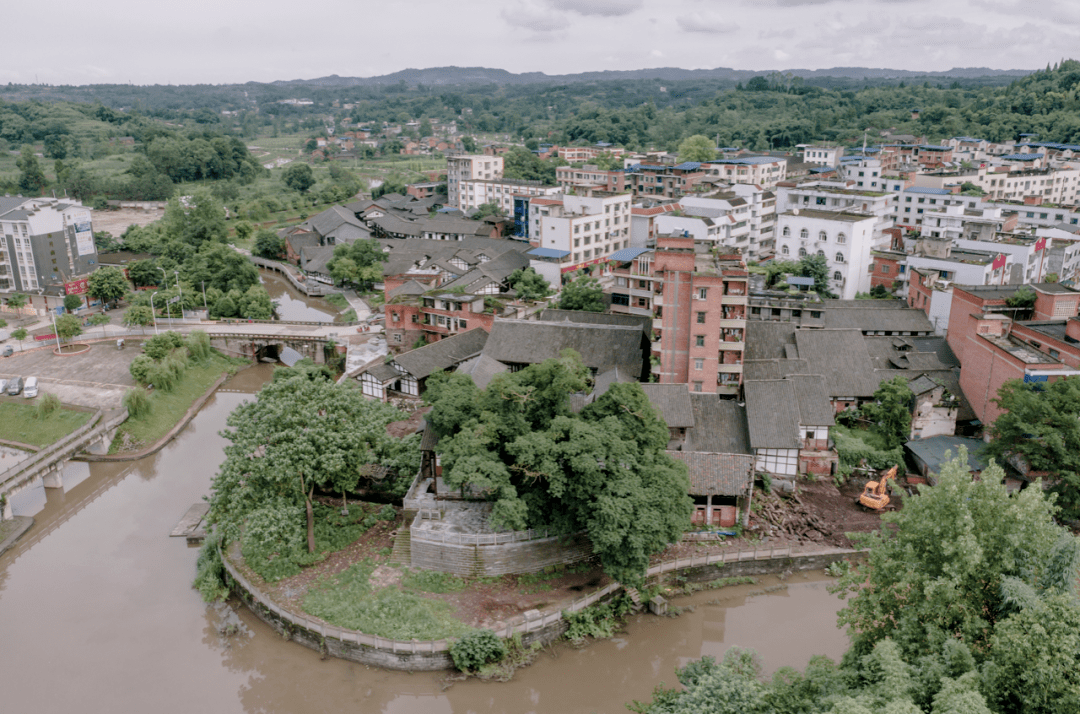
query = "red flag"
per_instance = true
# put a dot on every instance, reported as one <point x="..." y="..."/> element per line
<point x="1040" y="244"/>
<point x="999" y="262"/>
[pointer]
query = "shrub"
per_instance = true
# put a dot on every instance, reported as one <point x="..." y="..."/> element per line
<point x="430" y="581"/>
<point x="158" y="347"/>
<point x="209" y="570"/>
<point x="140" y="369"/>
<point x="387" y="513"/>
<point x="161" y="377"/>
<point x="48" y="404"/>
<point x="137" y="402"/>
<point x="198" y="345"/>
<point x="474" y="650"/>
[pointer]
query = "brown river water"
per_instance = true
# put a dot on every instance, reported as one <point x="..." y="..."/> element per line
<point x="293" y="304"/>
<point x="97" y="614"/>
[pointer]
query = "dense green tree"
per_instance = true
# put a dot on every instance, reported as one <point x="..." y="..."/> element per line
<point x="31" y="178"/>
<point x="520" y="163"/>
<point x="243" y="230"/>
<point x="298" y="176"/>
<point x="99" y="320"/>
<point x="1041" y="426"/>
<point x="143" y="273"/>
<point x="16" y="300"/>
<point x="268" y="244"/>
<point x="604" y="471"/>
<point x="890" y="411"/>
<point x="20" y="334"/>
<point x="67" y="327"/>
<point x="528" y="284"/>
<point x="817" y="267"/>
<point x="491" y="208"/>
<point x="937" y="571"/>
<point x="72" y="302"/>
<point x="584" y="293"/>
<point x="697" y="148"/>
<point x="298" y="436"/>
<point x="358" y="264"/>
<point x="197" y="220"/>
<point x="107" y="284"/>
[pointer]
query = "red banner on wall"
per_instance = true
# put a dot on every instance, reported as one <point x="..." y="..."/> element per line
<point x="1040" y="244"/>
<point x="999" y="261"/>
<point x="76" y="288"/>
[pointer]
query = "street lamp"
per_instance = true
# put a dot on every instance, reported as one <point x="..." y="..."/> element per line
<point x="56" y="333"/>
<point x="181" y="291"/>
<point x="153" y="313"/>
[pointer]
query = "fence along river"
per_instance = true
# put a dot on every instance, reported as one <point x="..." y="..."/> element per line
<point x="98" y="615"/>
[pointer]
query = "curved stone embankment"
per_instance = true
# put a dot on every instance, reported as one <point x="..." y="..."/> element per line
<point x="534" y="626"/>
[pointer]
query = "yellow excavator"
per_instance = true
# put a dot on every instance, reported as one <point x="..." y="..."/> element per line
<point x="876" y="493"/>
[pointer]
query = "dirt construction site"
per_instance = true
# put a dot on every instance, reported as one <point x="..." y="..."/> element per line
<point x="116" y="221"/>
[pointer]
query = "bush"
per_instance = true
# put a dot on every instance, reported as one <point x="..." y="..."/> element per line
<point x="161" y="377"/>
<point x="198" y="345"/>
<point x="209" y="570"/>
<point x="476" y="649"/>
<point x="140" y="369"/>
<point x="158" y="347"/>
<point x="387" y="513"/>
<point x="137" y="402"/>
<point x="48" y="404"/>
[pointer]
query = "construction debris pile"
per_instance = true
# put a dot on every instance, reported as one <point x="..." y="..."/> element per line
<point x="789" y="517"/>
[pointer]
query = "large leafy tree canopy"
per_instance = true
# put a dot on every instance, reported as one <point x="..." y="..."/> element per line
<point x="603" y="471"/>
<point x="299" y="436"/>
<point x="1041" y="424"/>
<point x="107" y="284"/>
<point x="890" y="411"/>
<point x="966" y="604"/>
<point x="584" y="293"/>
<point x="358" y="263"/>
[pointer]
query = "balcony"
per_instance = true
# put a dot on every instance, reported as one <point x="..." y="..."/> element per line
<point x="733" y="323"/>
<point x="734" y="346"/>
<point x="729" y="368"/>
<point x="734" y="299"/>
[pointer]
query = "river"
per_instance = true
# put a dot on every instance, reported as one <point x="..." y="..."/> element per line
<point x="97" y="615"/>
<point x="293" y="304"/>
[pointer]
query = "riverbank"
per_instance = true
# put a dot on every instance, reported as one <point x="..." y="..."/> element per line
<point x="12" y="529"/>
<point x="21" y="423"/>
<point x="170" y="411"/>
<point x="535" y="626"/>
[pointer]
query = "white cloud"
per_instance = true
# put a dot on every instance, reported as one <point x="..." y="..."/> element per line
<point x="656" y="53"/>
<point x="710" y="22"/>
<point x="780" y="56"/>
<point x="605" y="8"/>
<point x="530" y="15"/>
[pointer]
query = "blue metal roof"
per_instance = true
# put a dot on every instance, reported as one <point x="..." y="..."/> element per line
<point x="934" y="147"/>
<point x="823" y="170"/>
<point x="795" y="280"/>
<point x="966" y="138"/>
<point x="924" y="189"/>
<point x="448" y="209"/>
<point x="688" y="166"/>
<point x="549" y="253"/>
<point x="625" y="254"/>
<point x="747" y="160"/>
<point x="1021" y="157"/>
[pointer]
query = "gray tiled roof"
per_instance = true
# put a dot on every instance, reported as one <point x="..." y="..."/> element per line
<point x="717" y="474"/>
<point x="841" y="357"/>
<point x="672" y="401"/>
<point x="901" y="319"/>
<point x="443" y="354"/>
<point x="772" y="412"/>
<point x="602" y="347"/>
<point x="719" y="426"/>
<point x="766" y="339"/>
<point x="597" y="318"/>
<point x="773" y="368"/>
<point x="409" y="287"/>
<point x="383" y="372"/>
<point x="815" y="409"/>
<point x="482" y="369"/>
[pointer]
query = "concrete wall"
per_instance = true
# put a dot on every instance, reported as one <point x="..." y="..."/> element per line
<point x="469" y="560"/>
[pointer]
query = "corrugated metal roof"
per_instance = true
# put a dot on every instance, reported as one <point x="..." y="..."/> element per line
<point x="627" y="254"/>
<point x="548" y="253"/>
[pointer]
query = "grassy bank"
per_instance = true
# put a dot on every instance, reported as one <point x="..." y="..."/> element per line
<point x="167" y="408"/>
<point x="19" y="422"/>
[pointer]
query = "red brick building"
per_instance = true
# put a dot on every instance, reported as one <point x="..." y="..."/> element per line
<point x="885" y="268"/>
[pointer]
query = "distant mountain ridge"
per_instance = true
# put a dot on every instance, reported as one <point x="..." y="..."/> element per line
<point x="450" y="76"/>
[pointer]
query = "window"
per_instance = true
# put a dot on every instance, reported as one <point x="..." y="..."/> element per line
<point x="784" y="249"/>
<point x="839" y="257"/>
<point x="620" y="299"/>
<point x="702" y="293"/>
<point x="415" y="319"/>
<point x="816" y="314"/>
<point x="822" y="236"/>
<point x="820" y="200"/>
<point x="463" y="324"/>
<point x="837" y="276"/>
<point x="397" y="337"/>
<point x="699" y="364"/>
<point x="802" y="252"/>
<point x="697" y="386"/>
<point x="787" y="231"/>
<point x="841" y="238"/>
<point x="804" y="233"/>
<point x="395" y="316"/>
<point x="821" y="253"/>
<point x="884" y="270"/>
<point x="699" y="340"/>
<point x="755" y="311"/>
<point x="701" y="318"/>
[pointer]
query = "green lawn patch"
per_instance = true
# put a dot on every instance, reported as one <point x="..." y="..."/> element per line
<point x="429" y="581"/>
<point x="167" y="408"/>
<point x="348" y="600"/>
<point x="19" y="422"/>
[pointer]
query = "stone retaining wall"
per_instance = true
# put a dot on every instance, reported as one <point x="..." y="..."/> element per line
<point x="472" y="560"/>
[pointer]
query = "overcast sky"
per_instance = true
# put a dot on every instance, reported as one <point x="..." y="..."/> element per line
<point x="225" y="41"/>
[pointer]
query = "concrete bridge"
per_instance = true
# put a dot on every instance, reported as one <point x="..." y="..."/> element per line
<point x="48" y="464"/>
<point x="308" y="286"/>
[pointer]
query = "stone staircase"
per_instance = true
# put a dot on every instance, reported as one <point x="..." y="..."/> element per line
<point x="402" y="553"/>
<point x="635" y="597"/>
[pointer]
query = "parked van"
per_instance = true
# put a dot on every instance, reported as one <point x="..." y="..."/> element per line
<point x="30" y="390"/>
<point x="14" y="387"/>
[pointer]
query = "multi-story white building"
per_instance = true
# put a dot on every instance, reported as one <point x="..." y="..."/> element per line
<point x="590" y="228"/>
<point x="474" y="193"/>
<point x="765" y="171"/>
<point x="466" y="167"/>
<point x="839" y="196"/>
<point x="824" y="155"/>
<point x="845" y="238"/>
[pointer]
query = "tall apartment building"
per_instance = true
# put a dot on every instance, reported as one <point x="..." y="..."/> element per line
<point x="839" y="196"/>
<point x="845" y="238"/>
<point x="666" y="181"/>
<point x="590" y="228"/>
<point x="462" y="168"/>
<point x="474" y="193"/>
<point x="698" y="303"/>
<point x="588" y="178"/>
<point x="47" y="245"/>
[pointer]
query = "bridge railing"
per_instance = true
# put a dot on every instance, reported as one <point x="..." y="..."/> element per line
<point x="12" y="475"/>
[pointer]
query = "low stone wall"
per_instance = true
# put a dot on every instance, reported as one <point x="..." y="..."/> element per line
<point x="770" y="566"/>
<point x="474" y="560"/>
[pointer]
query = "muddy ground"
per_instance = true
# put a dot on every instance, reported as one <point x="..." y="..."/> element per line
<point x="115" y="222"/>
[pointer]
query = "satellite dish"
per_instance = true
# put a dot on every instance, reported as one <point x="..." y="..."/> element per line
<point x="794" y="211"/>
